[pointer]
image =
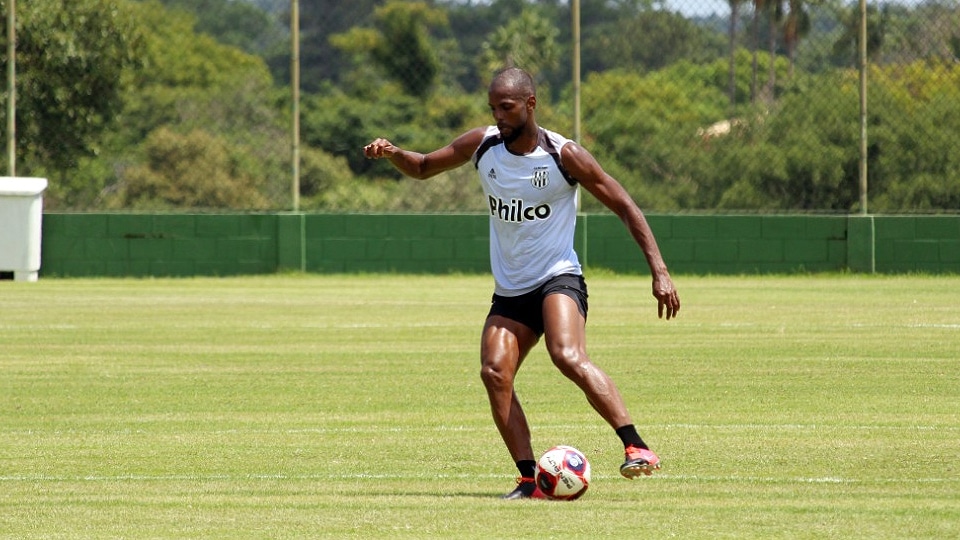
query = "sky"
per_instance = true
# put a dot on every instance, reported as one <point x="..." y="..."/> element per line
<point x="689" y="8"/>
<point x="694" y="8"/>
<point x="703" y="8"/>
<point x="699" y="7"/>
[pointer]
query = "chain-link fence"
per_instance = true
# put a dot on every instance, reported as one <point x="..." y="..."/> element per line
<point x="694" y="105"/>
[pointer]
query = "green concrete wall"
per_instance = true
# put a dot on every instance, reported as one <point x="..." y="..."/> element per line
<point x="918" y="244"/>
<point x="231" y="244"/>
<point x="724" y="244"/>
<point x="158" y="245"/>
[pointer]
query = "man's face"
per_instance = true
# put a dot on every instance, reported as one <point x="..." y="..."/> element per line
<point x="510" y="111"/>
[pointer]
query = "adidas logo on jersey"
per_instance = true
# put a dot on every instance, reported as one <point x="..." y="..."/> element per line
<point x="515" y="212"/>
<point x="492" y="174"/>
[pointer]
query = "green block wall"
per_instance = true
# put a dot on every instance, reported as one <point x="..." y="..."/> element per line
<point x="722" y="244"/>
<point x="158" y="245"/>
<point x="918" y="244"/>
<point x="396" y="243"/>
<point x="230" y="244"/>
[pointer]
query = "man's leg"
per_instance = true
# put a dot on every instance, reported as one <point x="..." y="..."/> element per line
<point x="565" y="335"/>
<point x="504" y="344"/>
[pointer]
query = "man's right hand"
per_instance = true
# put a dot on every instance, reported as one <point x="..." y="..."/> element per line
<point x="380" y="148"/>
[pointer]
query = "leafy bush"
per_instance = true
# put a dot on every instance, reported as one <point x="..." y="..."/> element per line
<point x="198" y="170"/>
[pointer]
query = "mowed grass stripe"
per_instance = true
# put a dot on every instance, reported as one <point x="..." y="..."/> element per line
<point x="305" y="406"/>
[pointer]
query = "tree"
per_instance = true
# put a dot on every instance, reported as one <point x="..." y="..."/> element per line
<point x="650" y="40"/>
<point x="915" y="115"/>
<point x="528" y="41"/>
<point x="188" y="84"/>
<point x="322" y="62"/>
<point x="773" y="11"/>
<point x="399" y="44"/>
<point x="845" y="49"/>
<point x="183" y="69"/>
<point x="71" y="60"/>
<point x="774" y="16"/>
<point x="197" y="170"/>
<point x="237" y="23"/>
<point x="930" y="31"/>
<point x="641" y="127"/>
<point x="796" y="25"/>
<point x="732" y="50"/>
<point x="339" y="123"/>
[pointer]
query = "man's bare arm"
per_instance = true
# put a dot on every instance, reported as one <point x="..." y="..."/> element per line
<point x="417" y="165"/>
<point x="588" y="172"/>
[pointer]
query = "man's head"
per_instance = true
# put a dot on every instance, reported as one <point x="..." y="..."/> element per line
<point x="512" y="98"/>
<point x="514" y="81"/>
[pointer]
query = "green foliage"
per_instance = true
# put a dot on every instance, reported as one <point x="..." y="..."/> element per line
<point x="235" y="23"/>
<point x="649" y="40"/>
<point x="322" y="63"/>
<point x="81" y="64"/>
<point x="400" y="44"/>
<point x="528" y="41"/>
<point x="453" y="191"/>
<point x="208" y="87"/>
<point x="802" y="155"/>
<point x="198" y="170"/>
<point x="341" y="124"/>
<point x="321" y="172"/>
<point x="915" y="115"/>
<point x="846" y="47"/>
<point x="106" y="85"/>
<point x="199" y="62"/>
<point x="640" y="128"/>
<point x="71" y="58"/>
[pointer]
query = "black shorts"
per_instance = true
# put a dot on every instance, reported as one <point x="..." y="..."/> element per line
<point x="527" y="308"/>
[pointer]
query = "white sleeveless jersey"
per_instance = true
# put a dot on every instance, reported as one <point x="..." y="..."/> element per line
<point x="533" y="212"/>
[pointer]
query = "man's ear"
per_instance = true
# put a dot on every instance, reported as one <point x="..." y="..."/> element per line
<point x="532" y="102"/>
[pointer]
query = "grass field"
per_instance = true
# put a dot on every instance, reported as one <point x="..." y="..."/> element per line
<point x="350" y="407"/>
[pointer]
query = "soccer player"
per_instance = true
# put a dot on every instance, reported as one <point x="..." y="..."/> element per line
<point x="530" y="177"/>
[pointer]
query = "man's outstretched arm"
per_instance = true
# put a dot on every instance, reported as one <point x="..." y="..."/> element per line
<point x="417" y="165"/>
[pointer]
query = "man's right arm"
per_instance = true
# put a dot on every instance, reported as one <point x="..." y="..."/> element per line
<point x="417" y="165"/>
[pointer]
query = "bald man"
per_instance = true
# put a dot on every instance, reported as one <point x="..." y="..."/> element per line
<point x="531" y="178"/>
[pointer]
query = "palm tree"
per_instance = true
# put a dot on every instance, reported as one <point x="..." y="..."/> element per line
<point x="773" y="9"/>
<point x="758" y="6"/>
<point x="774" y="12"/>
<point x="734" y="17"/>
<point x="775" y="15"/>
<point x="846" y="46"/>
<point x="795" y="26"/>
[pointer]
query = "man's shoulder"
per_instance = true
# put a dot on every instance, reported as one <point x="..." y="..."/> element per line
<point x="491" y="138"/>
<point x="555" y="145"/>
<point x="555" y="139"/>
<point x="551" y="141"/>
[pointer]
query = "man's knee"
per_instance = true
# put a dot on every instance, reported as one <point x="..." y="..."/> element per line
<point x="569" y="359"/>
<point x="496" y="375"/>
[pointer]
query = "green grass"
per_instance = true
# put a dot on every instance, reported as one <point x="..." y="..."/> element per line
<point x="351" y="407"/>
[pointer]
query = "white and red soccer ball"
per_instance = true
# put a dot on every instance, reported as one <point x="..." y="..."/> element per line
<point x="563" y="473"/>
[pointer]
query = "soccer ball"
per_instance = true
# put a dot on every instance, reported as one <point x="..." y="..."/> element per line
<point x="563" y="473"/>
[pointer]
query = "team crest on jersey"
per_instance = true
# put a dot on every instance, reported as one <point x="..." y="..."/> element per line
<point x="541" y="177"/>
